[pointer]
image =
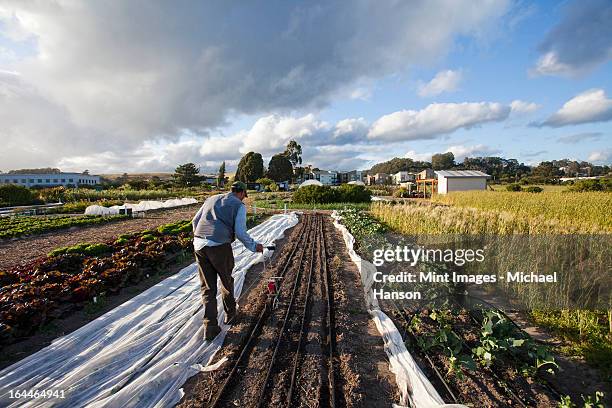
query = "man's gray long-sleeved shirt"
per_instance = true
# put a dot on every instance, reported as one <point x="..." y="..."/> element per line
<point x="239" y="229"/>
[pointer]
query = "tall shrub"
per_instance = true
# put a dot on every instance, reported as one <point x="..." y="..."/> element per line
<point x="11" y="195"/>
<point x="350" y="193"/>
<point x="315" y="194"/>
<point x="323" y="194"/>
<point x="604" y="184"/>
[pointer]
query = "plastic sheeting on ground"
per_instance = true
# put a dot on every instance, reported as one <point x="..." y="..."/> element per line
<point x="140" y="353"/>
<point x="141" y="206"/>
<point x="310" y="183"/>
<point x="415" y="389"/>
<point x="377" y="198"/>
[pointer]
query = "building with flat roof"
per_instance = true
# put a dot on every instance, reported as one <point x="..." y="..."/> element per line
<point x="461" y="180"/>
<point x="378" y="178"/>
<point x="403" y="177"/>
<point x="49" y="179"/>
<point x="327" y="178"/>
<point x="426" y="174"/>
<point x="349" y="176"/>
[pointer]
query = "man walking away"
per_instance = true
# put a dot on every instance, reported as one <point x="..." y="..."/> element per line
<point x="220" y="220"/>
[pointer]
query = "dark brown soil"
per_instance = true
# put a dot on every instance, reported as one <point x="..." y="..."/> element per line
<point x="20" y="251"/>
<point x="363" y="362"/>
<point x="361" y="369"/>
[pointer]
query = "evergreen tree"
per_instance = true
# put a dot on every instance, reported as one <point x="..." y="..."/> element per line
<point x="399" y="164"/>
<point x="293" y="152"/>
<point x="250" y="168"/>
<point x="221" y="175"/>
<point x="279" y="168"/>
<point x="443" y="161"/>
<point x="186" y="175"/>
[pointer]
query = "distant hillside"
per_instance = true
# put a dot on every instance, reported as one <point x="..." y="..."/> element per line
<point x="399" y="164"/>
<point x="136" y="176"/>
<point x="45" y="170"/>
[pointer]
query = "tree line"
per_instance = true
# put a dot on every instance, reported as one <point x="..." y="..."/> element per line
<point x="282" y="166"/>
<point x="501" y="169"/>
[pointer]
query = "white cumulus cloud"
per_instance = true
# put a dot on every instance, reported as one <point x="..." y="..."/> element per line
<point x="271" y="134"/>
<point x="480" y="150"/>
<point x="418" y="156"/>
<point x="435" y="120"/>
<point x="351" y="126"/>
<point x="361" y="93"/>
<point x="444" y="81"/>
<point x="590" y="106"/>
<point x="520" y="107"/>
<point x="602" y="156"/>
<point x="549" y="64"/>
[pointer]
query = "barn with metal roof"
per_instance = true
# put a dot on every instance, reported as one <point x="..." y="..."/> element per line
<point x="461" y="180"/>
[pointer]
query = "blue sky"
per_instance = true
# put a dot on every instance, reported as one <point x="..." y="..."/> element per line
<point x="145" y="86"/>
<point x="498" y="71"/>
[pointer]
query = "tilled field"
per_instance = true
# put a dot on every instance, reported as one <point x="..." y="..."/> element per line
<point x="313" y="345"/>
<point x="20" y="251"/>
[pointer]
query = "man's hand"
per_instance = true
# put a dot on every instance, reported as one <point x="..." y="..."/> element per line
<point x="259" y="248"/>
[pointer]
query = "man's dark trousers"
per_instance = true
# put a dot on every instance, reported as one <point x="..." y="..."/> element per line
<point x="212" y="262"/>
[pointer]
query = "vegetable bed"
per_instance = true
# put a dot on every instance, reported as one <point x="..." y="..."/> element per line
<point x="68" y="278"/>
<point x="11" y="227"/>
<point x="481" y="357"/>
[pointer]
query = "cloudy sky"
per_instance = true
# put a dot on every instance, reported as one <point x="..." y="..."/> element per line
<point x="144" y="85"/>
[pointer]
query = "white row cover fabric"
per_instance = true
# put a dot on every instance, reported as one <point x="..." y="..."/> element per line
<point x="415" y="389"/>
<point x="377" y="198"/>
<point x="312" y="182"/>
<point x="141" y="206"/>
<point x="140" y="353"/>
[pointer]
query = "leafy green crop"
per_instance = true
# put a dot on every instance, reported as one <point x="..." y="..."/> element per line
<point x="360" y="224"/>
<point x="17" y="226"/>
<point x="588" y="401"/>
<point x="174" y="229"/>
<point x="498" y="335"/>
<point x="83" y="249"/>
<point x="451" y="344"/>
<point x="39" y="291"/>
<point x="147" y="237"/>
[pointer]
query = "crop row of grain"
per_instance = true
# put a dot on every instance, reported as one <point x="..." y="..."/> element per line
<point x="581" y="261"/>
<point x="441" y="219"/>
<point x="571" y="212"/>
<point x="514" y="243"/>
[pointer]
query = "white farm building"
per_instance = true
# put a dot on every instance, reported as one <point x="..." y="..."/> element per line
<point x="461" y="180"/>
<point x="49" y="179"/>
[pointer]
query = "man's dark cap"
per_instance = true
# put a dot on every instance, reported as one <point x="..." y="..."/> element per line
<point x="239" y="186"/>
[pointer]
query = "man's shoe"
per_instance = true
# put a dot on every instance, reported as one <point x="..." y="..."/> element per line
<point x="210" y="332"/>
<point x="229" y="317"/>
